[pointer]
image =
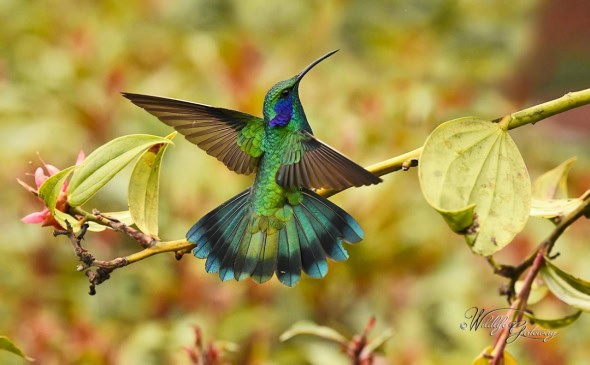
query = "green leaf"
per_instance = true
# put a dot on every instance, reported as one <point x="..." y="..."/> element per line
<point x="568" y="288"/>
<point x="51" y="188"/>
<point x="122" y="216"/>
<point x="7" y="345"/>
<point x="470" y="162"/>
<point x="554" y="323"/>
<point x="553" y="183"/>
<point x="62" y="217"/>
<point x="483" y="358"/>
<point x="459" y="220"/>
<point x="310" y="328"/>
<point x="105" y="162"/>
<point x="537" y="293"/>
<point x="144" y="186"/>
<point x="554" y="207"/>
<point x="49" y="191"/>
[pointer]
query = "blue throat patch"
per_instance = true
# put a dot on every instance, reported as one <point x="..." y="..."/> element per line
<point x="284" y="110"/>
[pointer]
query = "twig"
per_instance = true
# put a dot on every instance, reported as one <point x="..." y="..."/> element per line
<point x="83" y="255"/>
<point x="145" y="240"/>
<point x="94" y="277"/>
<point x="519" y="306"/>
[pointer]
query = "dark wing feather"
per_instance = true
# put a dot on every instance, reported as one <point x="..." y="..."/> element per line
<point x="234" y="138"/>
<point x="310" y="163"/>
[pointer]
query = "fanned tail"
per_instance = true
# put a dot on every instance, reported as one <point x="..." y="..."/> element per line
<point x="301" y="237"/>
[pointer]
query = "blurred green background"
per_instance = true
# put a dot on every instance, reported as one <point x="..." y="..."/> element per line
<point x="404" y="67"/>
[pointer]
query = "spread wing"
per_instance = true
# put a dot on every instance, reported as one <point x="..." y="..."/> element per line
<point x="308" y="162"/>
<point x="234" y="138"/>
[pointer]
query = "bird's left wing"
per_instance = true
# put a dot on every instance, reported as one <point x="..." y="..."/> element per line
<point x="233" y="137"/>
<point x="310" y="163"/>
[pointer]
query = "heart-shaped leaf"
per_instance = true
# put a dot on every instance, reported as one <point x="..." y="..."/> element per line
<point x="144" y="186"/>
<point x="105" y="162"/>
<point x="568" y="288"/>
<point x="471" y="168"/>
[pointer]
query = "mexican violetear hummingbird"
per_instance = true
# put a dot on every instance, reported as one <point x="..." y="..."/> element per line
<point x="278" y="225"/>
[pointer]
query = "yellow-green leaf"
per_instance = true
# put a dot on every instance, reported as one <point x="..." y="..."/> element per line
<point x="537" y="293"/>
<point x="144" y="187"/>
<point x="571" y="290"/>
<point x="49" y="191"/>
<point x="553" y="183"/>
<point x="105" y="162"/>
<point x="7" y="345"/>
<point x="470" y="162"/>
<point x="62" y="217"/>
<point x="122" y="216"/>
<point x="552" y="208"/>
<point x="374" y="344"/>
<point x="459" y="220"/>
<point x="310" y="328"/>
<point x="554" y="323"/>
<point x="483" y="358"/>
<point x="51" y="188"/>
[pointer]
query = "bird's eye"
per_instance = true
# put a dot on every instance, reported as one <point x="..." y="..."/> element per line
<point x="285" y="93"/>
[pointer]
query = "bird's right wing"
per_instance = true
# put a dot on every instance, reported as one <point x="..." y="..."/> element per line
<point x="310" y="163"/>
<point x="233" y="137"/>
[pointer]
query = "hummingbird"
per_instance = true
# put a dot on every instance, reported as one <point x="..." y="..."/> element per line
<point x="279" y="224"/>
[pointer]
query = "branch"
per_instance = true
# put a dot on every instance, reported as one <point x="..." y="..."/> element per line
<point x="402" y="162"/>
<point x="519" y="306"/>
<point x="514" y="272"/>
<point x="542" y="111"/>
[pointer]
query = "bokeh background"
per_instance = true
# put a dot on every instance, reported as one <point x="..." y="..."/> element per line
<point x="404" y="67"/>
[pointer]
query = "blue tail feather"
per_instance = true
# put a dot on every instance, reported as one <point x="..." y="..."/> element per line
<point x="314" y="233"/>
<point x="289" y="257"/>
<point x="313" y="257"/>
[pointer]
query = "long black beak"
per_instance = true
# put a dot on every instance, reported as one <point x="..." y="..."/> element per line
<point x="313" y="64"/>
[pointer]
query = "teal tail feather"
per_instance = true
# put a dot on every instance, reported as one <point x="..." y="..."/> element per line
<point x="313" y="231"/>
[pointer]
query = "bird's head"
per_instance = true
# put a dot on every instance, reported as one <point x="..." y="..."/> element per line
<point x="282" y="100"/>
